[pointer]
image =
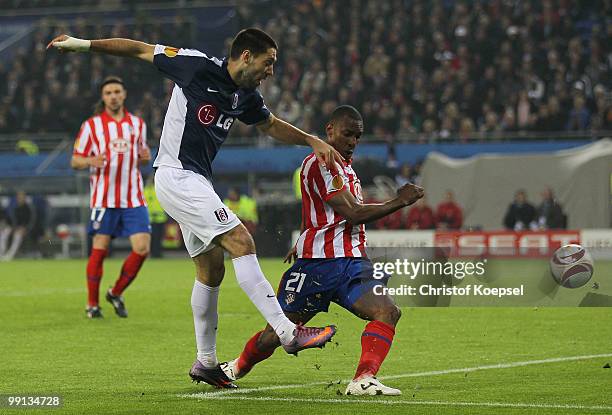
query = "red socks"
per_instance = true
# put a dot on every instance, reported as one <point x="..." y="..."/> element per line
<point x="376" y="341"/>
<point x="94" y="275"/>
<point x="251" y="355"/>
<point x="130" y="268"/>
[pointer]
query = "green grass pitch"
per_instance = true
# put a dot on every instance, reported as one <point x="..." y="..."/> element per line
<point x="139" y="365"/>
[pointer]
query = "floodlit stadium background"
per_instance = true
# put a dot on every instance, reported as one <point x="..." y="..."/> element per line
<point x="456" y="78"/>
<point x="482" y="98"/>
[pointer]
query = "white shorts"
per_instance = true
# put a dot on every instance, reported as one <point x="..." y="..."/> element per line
<point x="190" y="199"/>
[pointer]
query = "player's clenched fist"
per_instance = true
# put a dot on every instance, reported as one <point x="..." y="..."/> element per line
<point x="65" y="43"/>
<point x="98" y="161"/>
<point x="144" y="154"/>
<point x="410" y="193"/>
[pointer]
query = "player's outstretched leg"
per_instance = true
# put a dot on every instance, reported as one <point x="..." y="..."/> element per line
<point x="259" y="348"/>
<point x="376" y="341"/>
<point x="239" y="243"/>
<point x="129" y="271"/>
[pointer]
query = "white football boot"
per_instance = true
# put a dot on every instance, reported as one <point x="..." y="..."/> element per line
<point x="370" y="386"/>
<point x="229" y="368"/>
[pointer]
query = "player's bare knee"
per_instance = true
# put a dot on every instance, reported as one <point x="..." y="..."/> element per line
<point x="216" y="274"/>
<point x="210" y="268"/>
<point x="396" y="314"/>
<point x="268" y="340"/>
<point x="101" y="242"/>
<point x="238" y="242"/>
<point x="142" y="250"/>
<point x="211" y="276"/>
<point x="246" y="243"/>
<point x="392" y="314"/>
<point x="218" y="270"/>
<point x="389" y="314"/>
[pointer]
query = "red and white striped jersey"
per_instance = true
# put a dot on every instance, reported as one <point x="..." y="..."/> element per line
<point x="119" y="183"/>
<point x="326" y="233"/>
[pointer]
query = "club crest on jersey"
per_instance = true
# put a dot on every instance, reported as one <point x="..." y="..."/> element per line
<point x="119" y="145"/>
<point x="358" y="193"/>
<point x="221" y="215"/>
<point x="290" y="297"/>
<point x="337" y="182"/>
<point x="170" y="51"/>
<point x="235" y="101"/>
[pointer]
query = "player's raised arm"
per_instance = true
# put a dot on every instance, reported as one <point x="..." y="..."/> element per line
<point x="116" y="46"/>
<point x="287" y="133"/>
<point x="357" y="213"/>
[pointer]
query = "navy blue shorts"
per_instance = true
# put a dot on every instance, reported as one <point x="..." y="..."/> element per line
<point x="311" y="284"/>
<point x="119" y="222"/>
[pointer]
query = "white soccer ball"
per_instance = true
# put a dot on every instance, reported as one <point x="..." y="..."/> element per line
<point x="62" y="231"/>
<point x="571" y="266"/>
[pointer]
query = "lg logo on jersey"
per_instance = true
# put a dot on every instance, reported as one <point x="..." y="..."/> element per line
<point x="207" y="113"/>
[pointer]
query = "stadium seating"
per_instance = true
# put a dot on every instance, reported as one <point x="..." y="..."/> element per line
<point x="421" y="70"/>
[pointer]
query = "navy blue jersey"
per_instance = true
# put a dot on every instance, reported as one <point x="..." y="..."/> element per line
<point x="205" y="103"/>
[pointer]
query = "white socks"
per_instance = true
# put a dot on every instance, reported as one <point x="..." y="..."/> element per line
<point x="15" y="244"/>
<point x="256" y="286"/>
<point x="204" y="306"/>
<point x="4" y="236"/>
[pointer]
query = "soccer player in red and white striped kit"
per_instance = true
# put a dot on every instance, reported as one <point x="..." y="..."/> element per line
<point x="112" y="144"/>
<point x="331" y="264"/>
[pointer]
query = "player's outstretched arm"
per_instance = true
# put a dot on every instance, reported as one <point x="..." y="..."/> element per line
<point x="357" y="213"/>
<point x="287" y="133"/>
<point x="117" y="46"/>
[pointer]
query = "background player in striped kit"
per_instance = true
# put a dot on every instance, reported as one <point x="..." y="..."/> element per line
<point x="331" y="262"/>
<point x="112" y="144"/>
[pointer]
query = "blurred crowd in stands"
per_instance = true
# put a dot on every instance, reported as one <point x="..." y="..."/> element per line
<point x="30" y="4"/>
<point x="448" y="215"/>
<point x="440" y="69"/>
<point x="90" y="4"/>
<point x="46" y="93"/>
<point x="425" y="69"/>
<point x="522" y="215"/>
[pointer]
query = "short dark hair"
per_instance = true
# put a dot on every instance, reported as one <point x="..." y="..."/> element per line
<point x="111" y="80"/>
<point x="255" y="40"/>
<point x="346" y="111"/>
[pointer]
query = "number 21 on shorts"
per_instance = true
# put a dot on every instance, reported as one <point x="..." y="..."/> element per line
<point x="297" y="278"/>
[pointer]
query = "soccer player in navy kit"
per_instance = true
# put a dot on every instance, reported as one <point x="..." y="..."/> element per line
<point x="208" y="96"/>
